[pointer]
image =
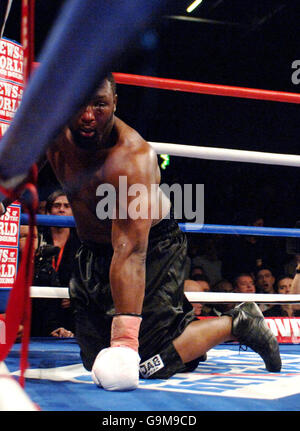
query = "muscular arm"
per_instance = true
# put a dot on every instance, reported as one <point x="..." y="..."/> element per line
<point x="127" y="271"/>
<point x="130" y="238"/>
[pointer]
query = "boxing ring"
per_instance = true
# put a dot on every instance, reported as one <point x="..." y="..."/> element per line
<point x="230" y="380"/>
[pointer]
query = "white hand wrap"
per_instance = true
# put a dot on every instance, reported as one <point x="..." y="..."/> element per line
<point x="117" y="369"/>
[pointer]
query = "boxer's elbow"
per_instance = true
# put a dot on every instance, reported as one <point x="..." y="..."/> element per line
<point x="135" y="254"/>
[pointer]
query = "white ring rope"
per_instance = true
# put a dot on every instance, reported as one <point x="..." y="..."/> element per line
<point x="49" y="292"/>
<point x="224" y="154"/>
<point x="210" y="297"/>
<point x="225" y="297"/>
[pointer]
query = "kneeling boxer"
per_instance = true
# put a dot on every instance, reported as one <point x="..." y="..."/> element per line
<point x="132" y="317"/>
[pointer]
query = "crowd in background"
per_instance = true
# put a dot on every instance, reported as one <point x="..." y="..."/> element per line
<point x="242" y="264"/>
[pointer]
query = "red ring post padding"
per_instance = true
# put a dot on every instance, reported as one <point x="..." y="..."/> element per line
<point x="212" y="89"/>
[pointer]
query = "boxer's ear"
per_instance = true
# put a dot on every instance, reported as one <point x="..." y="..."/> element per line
<point x="115" y="102"/>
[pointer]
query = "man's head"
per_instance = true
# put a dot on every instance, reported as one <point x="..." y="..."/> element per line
<point x="265" y="280"/>
<point x="197" y="286"/>
<point x="284" y="284"/>
<point x="58" y="204"/>
<point x="42" y="207"/>
<point x="91" y="127"/>
<point x="223" y="286"/>
<point x="244" y="283"/>
<point x="197" y="270"/>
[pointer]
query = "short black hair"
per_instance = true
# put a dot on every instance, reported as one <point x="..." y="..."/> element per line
<point x="110" y="78"/>
<point x="264" y="268"/>
<point x="217" y="287"/>
<point x="200" y="277"/>
<point x="281" y="277"/>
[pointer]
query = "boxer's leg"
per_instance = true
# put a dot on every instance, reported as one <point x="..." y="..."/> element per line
<point x="245" y="323"/>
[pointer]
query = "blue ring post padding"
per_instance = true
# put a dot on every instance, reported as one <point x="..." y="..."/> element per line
<point x="68" y="221"/>
<point x="83" y="46"/>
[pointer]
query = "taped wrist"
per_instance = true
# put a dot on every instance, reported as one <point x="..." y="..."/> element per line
<point x="125" y="331"/>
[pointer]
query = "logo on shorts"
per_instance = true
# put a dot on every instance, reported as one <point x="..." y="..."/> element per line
<point x="151" y="366"/>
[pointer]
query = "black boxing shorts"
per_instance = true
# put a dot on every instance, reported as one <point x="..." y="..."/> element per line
<point x="166" y="311"/>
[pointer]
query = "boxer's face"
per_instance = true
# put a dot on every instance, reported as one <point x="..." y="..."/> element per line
<point x="94" y="122"/>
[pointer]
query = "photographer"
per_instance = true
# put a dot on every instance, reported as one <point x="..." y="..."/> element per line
<point x="47" y="318"/>
<point x="55" y="262"/>
<point x="47" y="314"/>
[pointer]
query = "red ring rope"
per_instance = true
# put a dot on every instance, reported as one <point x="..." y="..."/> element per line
<point x="213" y="89"/>
<point x="202" y="88"/>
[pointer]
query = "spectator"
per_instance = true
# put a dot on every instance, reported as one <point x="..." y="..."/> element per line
<point x="244" y="283"/>
<point x="47" y="314"/>
<point x="265" y="280"/>
<point x="197" y="271"/>
<point x="265" y="283"/>
<point x="58" y="249"/>
<point x="64" y="238"/>
<point x="218" y="309"/>
<point x="45" y="318"/>
<point x="42" y="207"/>
<point x="283" y="286"/>
<point x="197" y="286"/>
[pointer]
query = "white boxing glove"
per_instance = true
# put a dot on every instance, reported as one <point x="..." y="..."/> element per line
<point x="117" y="369"/>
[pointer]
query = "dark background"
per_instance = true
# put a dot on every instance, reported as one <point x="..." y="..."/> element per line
<point x="231" y="42"/>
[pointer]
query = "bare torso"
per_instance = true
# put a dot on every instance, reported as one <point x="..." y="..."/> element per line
<point x="80" y="173"/>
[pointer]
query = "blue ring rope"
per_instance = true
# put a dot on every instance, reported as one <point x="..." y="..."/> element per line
<point x="68" y="221"/>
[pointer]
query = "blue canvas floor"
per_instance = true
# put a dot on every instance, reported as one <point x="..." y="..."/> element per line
<point x="230" y="380"/>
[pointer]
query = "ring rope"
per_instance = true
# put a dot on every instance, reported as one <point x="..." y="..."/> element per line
<point x="225" y="154"/>
<point x="69" y="221"/>
<point x="202" y="88"/>
<point x="225" y="297"/>
<point x="210" y="297"/>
